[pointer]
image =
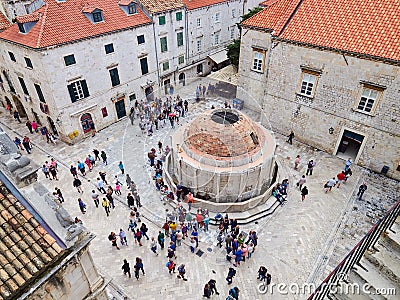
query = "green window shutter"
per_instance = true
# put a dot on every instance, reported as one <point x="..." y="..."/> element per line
<point x="163" y="42"/>
<point x="161" y="20"/>
<point x="179" y="37"/>
<point x="179" y="16"/>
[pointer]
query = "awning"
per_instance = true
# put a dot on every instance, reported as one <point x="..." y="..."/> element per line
<point x="219" y="57"/>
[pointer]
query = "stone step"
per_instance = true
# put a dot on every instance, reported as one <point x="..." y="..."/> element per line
<point x="376" y="280"/>
<point x="386" y="262"/>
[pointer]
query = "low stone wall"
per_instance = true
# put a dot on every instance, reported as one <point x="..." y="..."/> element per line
<point x="219" y="207"/>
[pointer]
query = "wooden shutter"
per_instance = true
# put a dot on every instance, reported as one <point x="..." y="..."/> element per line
<point x="85" y="88"/>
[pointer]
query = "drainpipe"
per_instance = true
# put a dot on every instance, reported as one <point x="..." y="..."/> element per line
<point x="155" y="48"/>
<point x="186" y="35"/>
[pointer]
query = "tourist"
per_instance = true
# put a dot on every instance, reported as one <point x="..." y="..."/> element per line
<point x="231" y="274"/>
<point x="73" y="171"/>
<point x="16" y="116"/>
<point x="106" y="204"/>
<point x="361" y="190"/>
<point x="207" y="291"/>
<point x="95" y="198"/>
<point x="81" y="168"/>
<point x="290" y="137"/>
<point x="182" y="271"/>
<point x="18" y="143"/>
<point x="331" y="183"/>
<point x="349" y="162"/>
<point x="213" y="287"/>
<point x="262" y="273"/>
<point x="121" y="167"/>
<point x="46" y="171"/>
<point x="96" y="154"/>
<point x="60" y="195"/>
<point x="297" y="162"/>
<point x="113" y="239"/>
<point x="104" y="157"/>
<point x="100" y="185"/>
<point x="26" y="142"/>
<point x="103" y="176"/>
<point x="122" y="236"/>
<point x="304" y="193"/>
<point x="234" y="293"/>
<point x="341" y="178"/>
<point x="310" y="166"/>
<point x="171" y="266"/>
<point x="29" y="125"/>
<point x="126" y="269"/>
<point x="78" y="185"/>
<point x="139" y="263"/>
<point x="153" y="245"/>
<point x="138" y="237"/>
<point x="160" y="239"/>
<point x="82" y="206"/>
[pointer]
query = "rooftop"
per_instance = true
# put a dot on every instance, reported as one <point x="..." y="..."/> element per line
<point x="63" y="22"/>
<point x="4" y="23"/>
<point x="194" y="4"/>
<point x="26" y="247"/>
<point x="366" y="27"/>
<point x="155" y="6"/>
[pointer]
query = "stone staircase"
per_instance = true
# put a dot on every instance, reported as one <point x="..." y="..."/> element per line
<point x="378" y="274"/>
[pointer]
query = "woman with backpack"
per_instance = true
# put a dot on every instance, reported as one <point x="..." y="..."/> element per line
<point x="138" y="237"/>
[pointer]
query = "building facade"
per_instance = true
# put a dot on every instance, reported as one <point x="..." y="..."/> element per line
<point x="337" y="94"/>
<point x="85" y="77"/>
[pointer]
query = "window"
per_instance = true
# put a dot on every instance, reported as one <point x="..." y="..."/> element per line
<point x="104" y="112"/>
<point x="97" y="16"/>
<point x="21" y="27"/>
<point x="132" y="97"/>
<point x="308" y="81"/>
<point x="198" y="45"/>
<point x="232" y="33"/>
<point x="39" y="93"/>
<point x="179" y="38"/>
<point x="233" y="13"/>
<point x="22" y="82"/>
<point x="12" y="57"/>
<point x="140" y="39"/>
<point x="216" y="39"/>
<point x="78" y="90"/>
<point x="165" y="66"/>
<point x="109" y="48"/>
<point x="69" y="60"/>
<point x="369" y="99"/>
<point x="181" y="59"/>
<point x="179" y="16"/>
<point x="163" y="42"/>
<point x="132" y="9"/>
<point x="28" y="62"/>
<point x="161" y="20"/>
<point x="143" y="66"/>
<point x="114" y="77"/>
<point x="258" y="61"/>
<point x="198" y="22"/>
<point x="217" y="17"/>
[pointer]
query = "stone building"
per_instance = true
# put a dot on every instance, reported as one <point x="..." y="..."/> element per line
<point x="223" y="156"/>
<point x="324" y="70"/>
<point x="70" y="65"/>
<point x="43" y="253"/>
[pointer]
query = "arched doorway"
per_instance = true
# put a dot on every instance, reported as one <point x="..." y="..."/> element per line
<point x="86" y="122"/>
<point x="19" y="107"/>
<point x="200" y="69"/>
<point x="52" y="126"/>
<point x="149" y="93"/>
<point x="182" y="79"/>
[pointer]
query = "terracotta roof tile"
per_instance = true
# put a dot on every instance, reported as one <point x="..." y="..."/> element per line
<point x="64" y="22"/>
<point x="156" y="6"/>
<point x="34" y="17"/>
<point x="194" y="4"/>
<point x="25" y="246"/>
<point x="368" y="27"/>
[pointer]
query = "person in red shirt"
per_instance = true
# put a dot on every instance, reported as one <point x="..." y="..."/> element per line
<point x="341" y="177"/>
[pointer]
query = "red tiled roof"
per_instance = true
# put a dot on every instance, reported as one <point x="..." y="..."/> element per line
<point x="4" y="23"/>
<point x="63" y="22"/>
<point x="276" y="12"/>
<point x="89" y="8"/>
<point x="155" y="6"/>
<point x="26" y="248"/>
<point x="125" y="2"/>
<point x="193" y="4"/>
<point x="34" y="17"/>
<point x="368" y="27"/>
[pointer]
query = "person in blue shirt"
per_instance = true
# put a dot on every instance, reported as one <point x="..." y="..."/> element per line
<point x="81" y="167"/>
<point x="121" y="167"/>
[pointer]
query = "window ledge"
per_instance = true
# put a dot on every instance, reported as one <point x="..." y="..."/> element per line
<point x="305" y="96"/>
<point x="371" y="114"/>
<point x="257" y="71"/>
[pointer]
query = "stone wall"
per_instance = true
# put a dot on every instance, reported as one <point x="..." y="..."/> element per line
<point x="77" y="279"/>
<point x="337" y="93"/>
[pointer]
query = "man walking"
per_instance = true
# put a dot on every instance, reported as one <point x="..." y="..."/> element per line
<point x="126" y="268"/>
<point x="95" y="198"/>
<point x="100" y="185"/>
<point x="290" y="137"/>
<point x="121" y="167"/>
<point x="310" y="167"/>
<point x="104" y="157"/>
<point x="361" y="190"/>
<point x="331" y="183"/>
<point x="106" y="204"/>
